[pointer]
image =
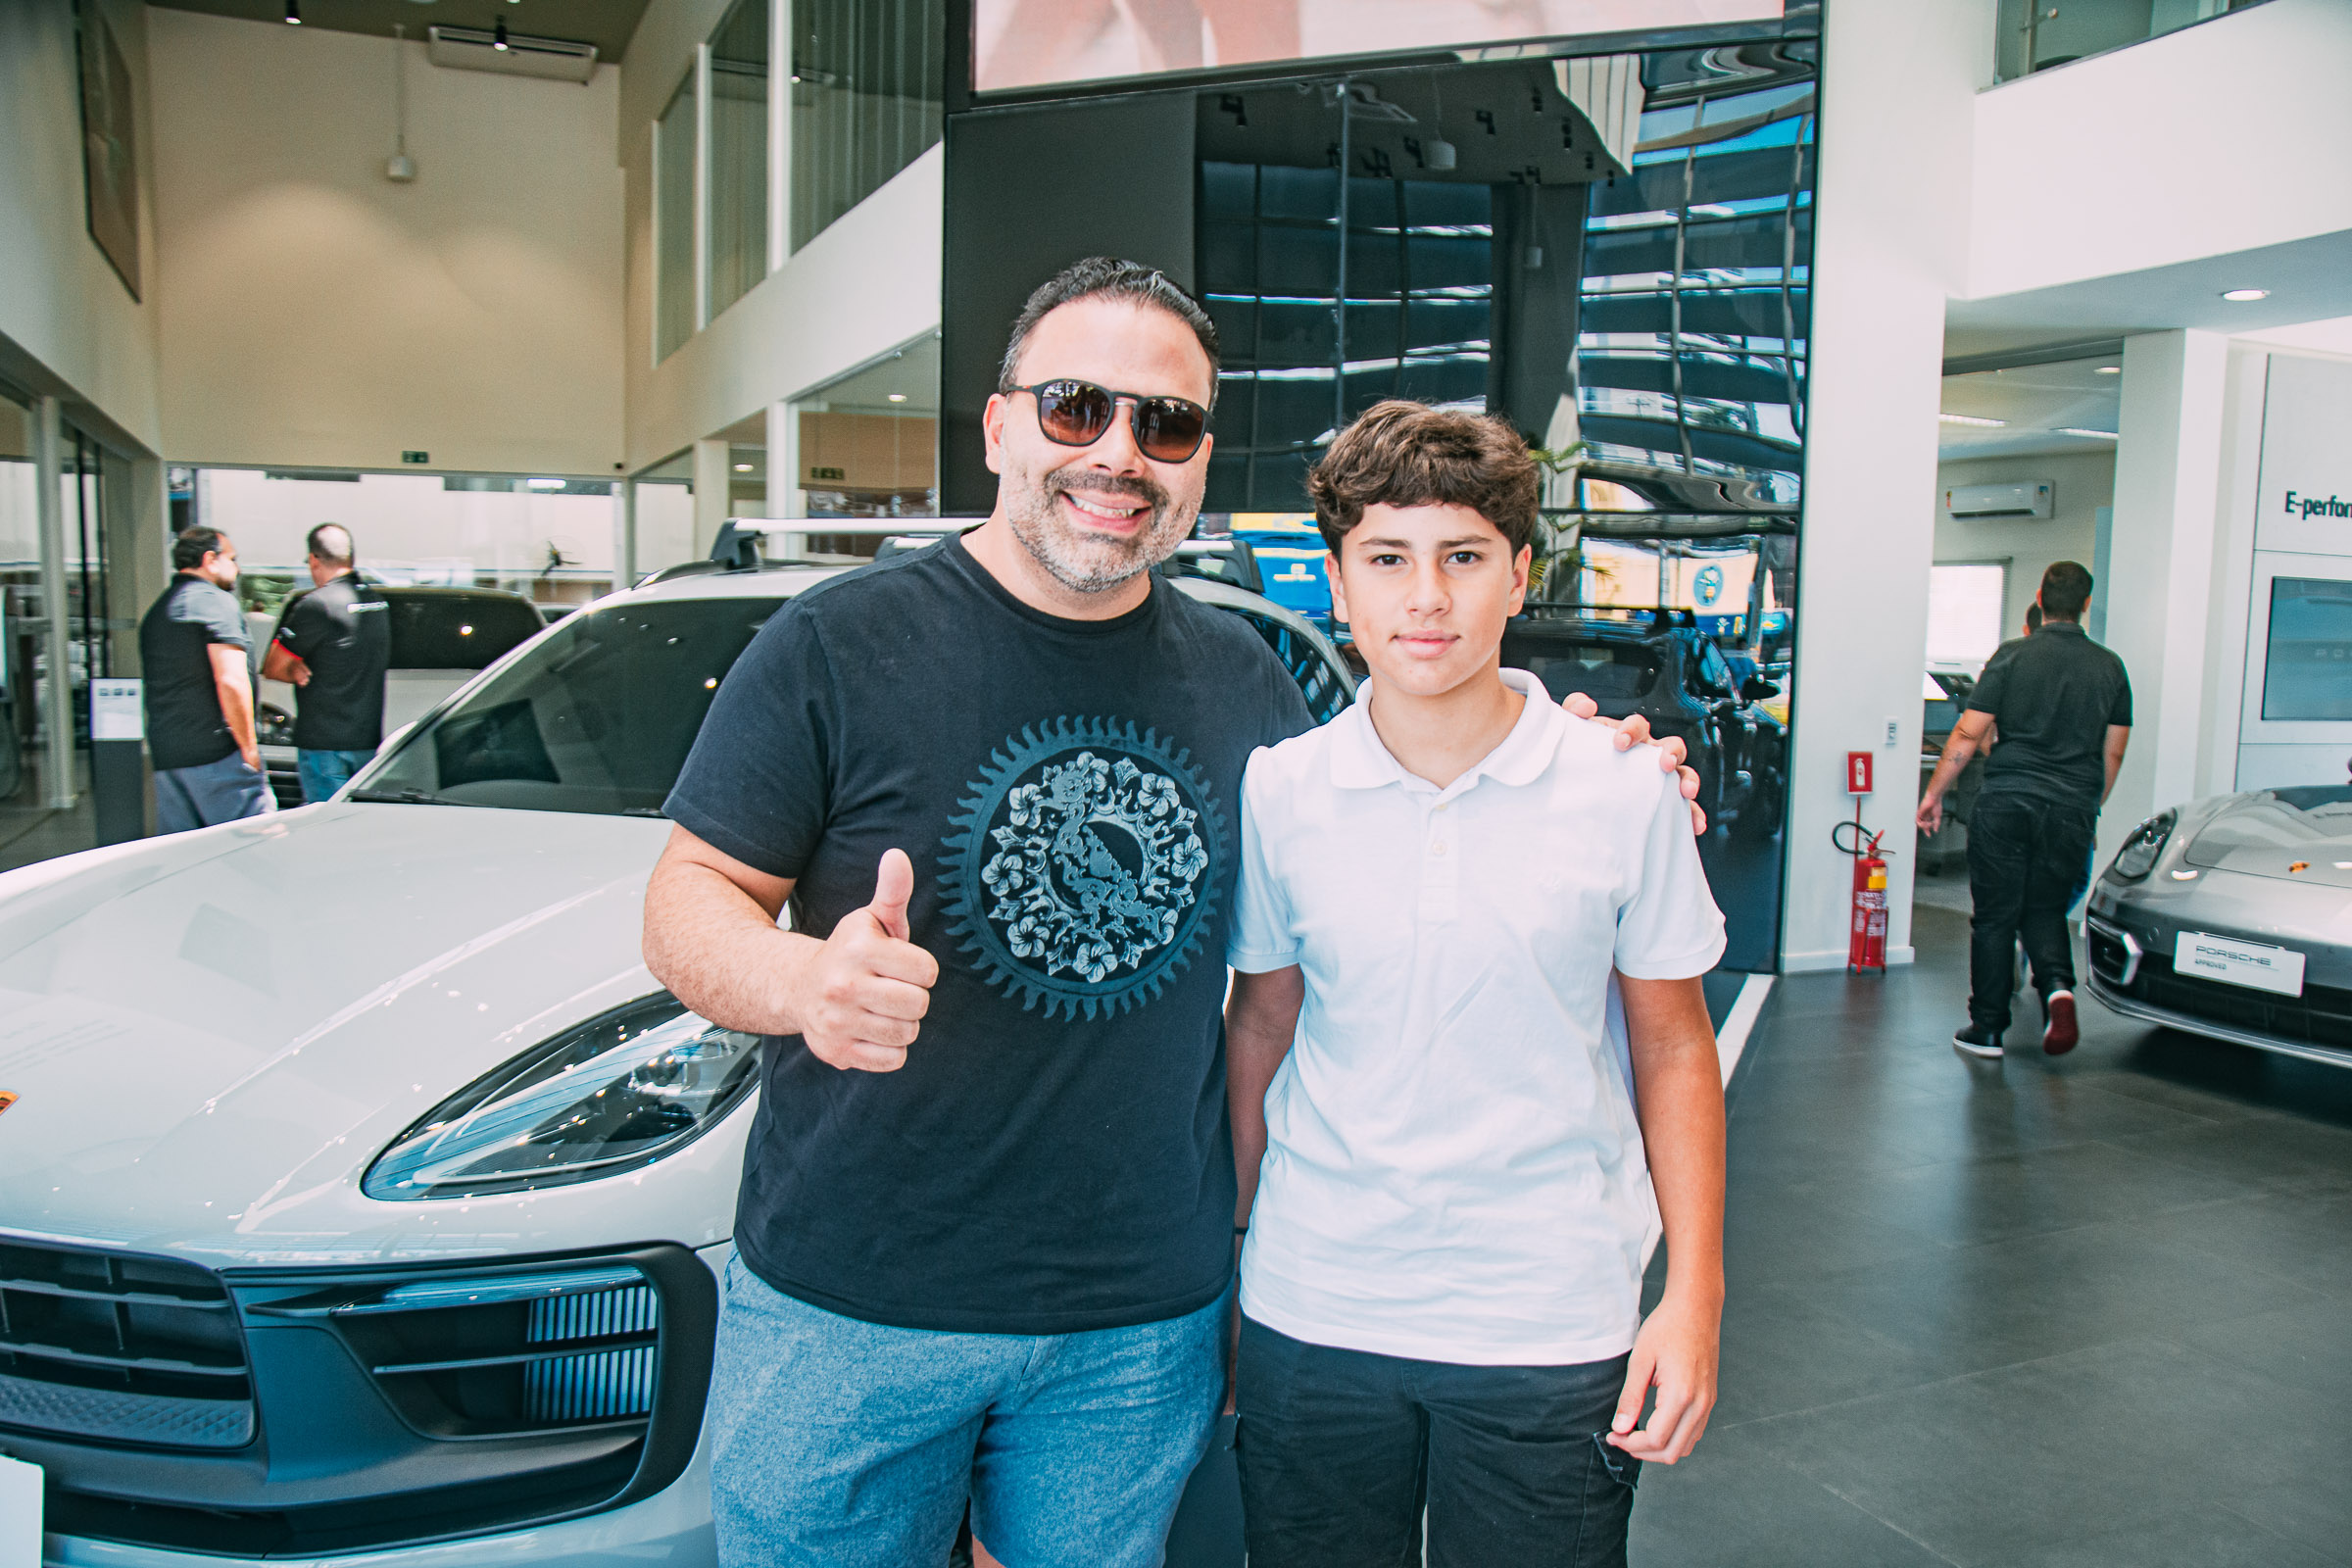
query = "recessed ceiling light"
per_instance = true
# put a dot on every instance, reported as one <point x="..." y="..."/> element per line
<point x="498" y="37"/>
<point x="2243" y="296"/>
<point x="544" y="484"/>
<point x="743" y="467"/>
<point x="897" y="396"/>
<point x="293" y="13"/>
<point x="1970" y="419"/>
<point x="2110" y="370"/>
<point x="2103" y="435"/>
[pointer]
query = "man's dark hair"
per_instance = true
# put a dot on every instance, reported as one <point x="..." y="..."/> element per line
<point x="1108" y="277"/>
<point x="192" y="545"/>
<point x="2065" y="590"/>
<point x="1405" y="453"/>
<point x="2034" y="616"/>
<point x="329" y="542"/>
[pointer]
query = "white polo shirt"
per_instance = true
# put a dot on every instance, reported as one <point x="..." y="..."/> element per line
<point x="1454" y="1170"/>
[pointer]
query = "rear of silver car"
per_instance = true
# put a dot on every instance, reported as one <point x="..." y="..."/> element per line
<point x="2228" y="917"/>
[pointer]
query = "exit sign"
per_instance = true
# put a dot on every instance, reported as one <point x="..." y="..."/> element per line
<point x="415" y="456"/>
<point x="828" y="473"/>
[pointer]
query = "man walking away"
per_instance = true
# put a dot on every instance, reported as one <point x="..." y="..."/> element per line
<point x="2063" y="704"/>
<point x="332" y="644"/>
<point x="192" y="653"/>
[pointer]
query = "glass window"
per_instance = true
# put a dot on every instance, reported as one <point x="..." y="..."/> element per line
<point x="738" y="153"/>
<point x="867" y="445"/>
<point x="867" y="97"/>
<point x="1964" y="617"/>
<point x="2033" y="35"/>
<point x="2307" y="669"/>
<point x="673" y="223"/>
<point x="596" y="718"/>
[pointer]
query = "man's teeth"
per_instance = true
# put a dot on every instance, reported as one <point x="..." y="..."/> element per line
<point x="1098" y="508"/>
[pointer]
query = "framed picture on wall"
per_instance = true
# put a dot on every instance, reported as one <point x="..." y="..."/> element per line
<point x="110" y="169"/>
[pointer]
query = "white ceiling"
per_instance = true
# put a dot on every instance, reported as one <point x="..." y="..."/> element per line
<point x="2036" y="405"/>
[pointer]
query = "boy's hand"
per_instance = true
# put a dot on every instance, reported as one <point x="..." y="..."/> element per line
<point x="1676" y="1352"/>
<point x="1633" y="730"/>
<point x="870" y="988"/>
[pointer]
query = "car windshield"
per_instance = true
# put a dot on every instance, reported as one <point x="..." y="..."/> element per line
<point x="596" y="718"/>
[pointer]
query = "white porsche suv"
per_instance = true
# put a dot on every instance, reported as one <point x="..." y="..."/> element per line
<point x="360" y="1190"/>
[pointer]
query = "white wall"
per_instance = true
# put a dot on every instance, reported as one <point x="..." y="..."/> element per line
<point x="2221" y="137"/>
<point x="61" y="305"/>
<point x="2084" y="483"/>
<point x="315" y="313"/>
<point x="1898" y="84"/>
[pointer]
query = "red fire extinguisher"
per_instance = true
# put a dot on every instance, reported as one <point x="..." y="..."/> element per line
<point x="1866" y="932"/>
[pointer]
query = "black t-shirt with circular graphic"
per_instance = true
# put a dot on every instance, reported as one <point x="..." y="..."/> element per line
<point x="1055" y="1156"/>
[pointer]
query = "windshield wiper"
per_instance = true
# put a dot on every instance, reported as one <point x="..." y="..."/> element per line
<point x="404" y="796"/>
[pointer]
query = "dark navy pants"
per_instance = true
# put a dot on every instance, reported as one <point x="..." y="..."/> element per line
<point x="2025" y="860"/>
<point x="1342" y="1450"/>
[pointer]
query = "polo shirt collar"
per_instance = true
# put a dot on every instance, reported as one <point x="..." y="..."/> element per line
<point x="1360" y="761"/>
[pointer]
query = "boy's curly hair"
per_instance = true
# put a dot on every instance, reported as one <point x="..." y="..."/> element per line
<point x="1405" y="454"/>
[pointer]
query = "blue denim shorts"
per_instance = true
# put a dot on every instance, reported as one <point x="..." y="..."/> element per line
<point x="853" y="1445"/>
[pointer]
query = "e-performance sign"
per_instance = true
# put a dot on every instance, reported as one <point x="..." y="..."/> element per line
<point x="1041" y="44"/>
<point x="2305" y="498"/>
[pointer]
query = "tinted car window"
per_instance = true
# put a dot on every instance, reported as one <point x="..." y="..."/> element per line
<point x="452" y="629"/>
<point x="598" y="717"/>
<point x="1714" y="670"/>
<point x="1320" y="684"/>
<point x="1604" y="672"/>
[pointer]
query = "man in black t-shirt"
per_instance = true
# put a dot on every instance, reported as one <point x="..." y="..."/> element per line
<point x="333" y="643"/>
<point x="2062" y="706"/>
<point x="982" y="1244"/>
<point x="199" y="691"/>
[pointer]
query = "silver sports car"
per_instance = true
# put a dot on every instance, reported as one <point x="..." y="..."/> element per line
<point x="2232" y="916"/>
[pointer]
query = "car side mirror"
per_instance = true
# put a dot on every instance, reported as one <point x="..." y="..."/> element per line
<point x="1756" y="688"/>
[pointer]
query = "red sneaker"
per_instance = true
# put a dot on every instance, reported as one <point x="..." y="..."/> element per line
<point x="2059" y="1034"/>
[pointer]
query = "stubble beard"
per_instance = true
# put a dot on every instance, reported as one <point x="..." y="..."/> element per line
<point x="1091" y="564"/>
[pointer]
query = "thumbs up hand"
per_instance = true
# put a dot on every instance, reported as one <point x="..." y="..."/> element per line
<point x="870" y="988"/>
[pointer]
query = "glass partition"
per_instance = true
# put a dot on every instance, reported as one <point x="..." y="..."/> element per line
<point x="868" y="444"/>
<point x="738" y="57"/>
<point x="867" y="97"/>
<point x="675" y="307"/>
<point x="2035" y="34"/>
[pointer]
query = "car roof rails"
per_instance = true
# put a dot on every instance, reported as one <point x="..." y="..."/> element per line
<point x="737" y="547"/>
<point x="1230" y="561"/>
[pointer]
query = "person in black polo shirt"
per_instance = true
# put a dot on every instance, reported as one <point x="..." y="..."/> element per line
<point x="332" y="644"/>
<point x="192" y="653"/>
<point x="2063" y="708"/>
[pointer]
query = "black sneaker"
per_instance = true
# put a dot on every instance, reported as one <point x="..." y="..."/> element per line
<point x="2058" y="1033"/>
<point x="1979" y="1041"/>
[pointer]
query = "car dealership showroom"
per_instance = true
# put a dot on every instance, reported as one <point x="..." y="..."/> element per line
<point x="660" y="665"/>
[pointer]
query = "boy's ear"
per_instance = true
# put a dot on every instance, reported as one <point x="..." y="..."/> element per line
<point x="1521" y="565"/>
<point x="1339" y="594"/>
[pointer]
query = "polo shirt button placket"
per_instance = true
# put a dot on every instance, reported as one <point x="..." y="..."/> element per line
<point x="1440" y="875"/>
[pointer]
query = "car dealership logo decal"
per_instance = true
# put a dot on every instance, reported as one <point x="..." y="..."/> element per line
<point x="1077" y="877"/>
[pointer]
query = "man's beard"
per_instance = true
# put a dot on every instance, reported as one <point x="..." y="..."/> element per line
<point x="1093" y="563"/>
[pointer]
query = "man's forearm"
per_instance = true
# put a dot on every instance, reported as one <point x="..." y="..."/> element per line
<point x="720" y="954"/>
<point x="236" y="712"/>
<point x="1957" y="750"/>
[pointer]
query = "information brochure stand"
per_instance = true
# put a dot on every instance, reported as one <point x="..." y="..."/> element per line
<point x="119" y="760"/>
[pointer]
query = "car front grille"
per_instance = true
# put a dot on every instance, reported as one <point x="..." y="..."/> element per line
<point x="119" y="1347"/>
<point x="2321" y="1016"/>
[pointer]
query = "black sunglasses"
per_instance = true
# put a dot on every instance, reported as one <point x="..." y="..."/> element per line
<point x="1075" y="413"/>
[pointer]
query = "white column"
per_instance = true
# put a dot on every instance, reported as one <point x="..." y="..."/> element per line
<point x="624" y="535"/>
<point x="57" y="716"/>
<point x="702" y="186"/>
<point x="1899" y="96"/>
<point x="784" y="495"/>
<point x="780" y="148"/>
<point x="713" y="475"/>
<point x="2160" y="601"/>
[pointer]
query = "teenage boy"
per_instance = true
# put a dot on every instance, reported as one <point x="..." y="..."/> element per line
<point x="1503" y="1075"/>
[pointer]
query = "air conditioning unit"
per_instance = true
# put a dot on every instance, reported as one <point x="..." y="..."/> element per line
<point x="2014" y="498"/>
<point x="477" y="49"/>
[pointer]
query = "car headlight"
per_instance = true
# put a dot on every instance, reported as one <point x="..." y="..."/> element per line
<point x="2138" y="857"/>
<point x="615" y="1092"/>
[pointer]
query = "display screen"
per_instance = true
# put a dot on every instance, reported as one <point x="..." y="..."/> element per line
<point x="2307" y="673"/>
<point x="1037" y="43"/>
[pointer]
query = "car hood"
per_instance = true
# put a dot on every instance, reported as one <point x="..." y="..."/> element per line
<point x="2272" y="832"/>
<point x="211" y="1035"/>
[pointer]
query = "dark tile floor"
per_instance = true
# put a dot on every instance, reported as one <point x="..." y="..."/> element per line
<point x="2092" y="1311"/>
